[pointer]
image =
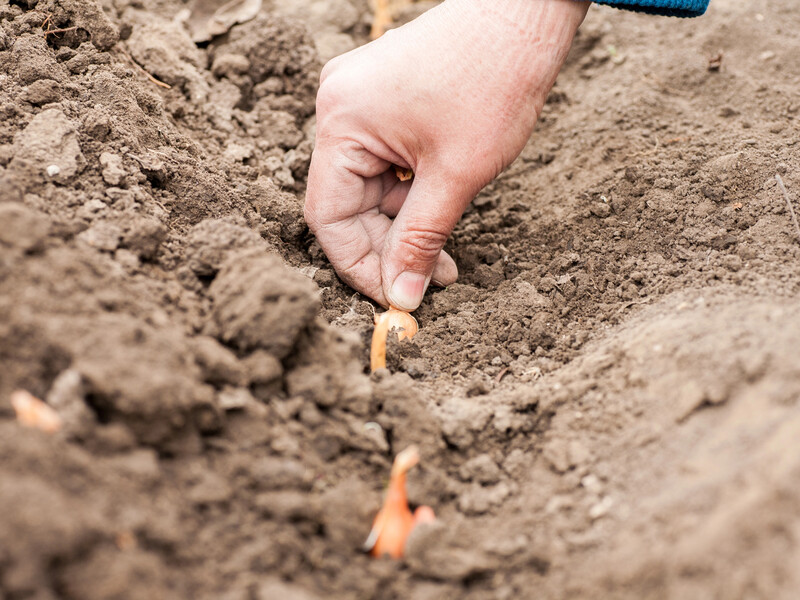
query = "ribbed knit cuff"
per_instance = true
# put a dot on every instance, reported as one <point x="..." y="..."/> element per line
<point x="672" y="8"/>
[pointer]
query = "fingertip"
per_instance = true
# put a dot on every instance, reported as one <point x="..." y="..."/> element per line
<point x="407" y="290"/>
<point x="445" y="272"/>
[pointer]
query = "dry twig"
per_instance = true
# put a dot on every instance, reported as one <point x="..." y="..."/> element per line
<point x="789" y="205"/>
<point x="499" y="377"/>
<point x="381" y="20"/>
<point x="62" y="30"/>
<point x="47" y="28"/>
<point x="158" y="82"/>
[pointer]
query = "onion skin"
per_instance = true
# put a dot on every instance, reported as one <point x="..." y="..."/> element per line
<point x="392" y="320"/>
<point x="32" y="412"/>
<point x="395" y="521"/>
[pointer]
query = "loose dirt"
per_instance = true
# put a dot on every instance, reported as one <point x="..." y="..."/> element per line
<point x="606" y="403"/>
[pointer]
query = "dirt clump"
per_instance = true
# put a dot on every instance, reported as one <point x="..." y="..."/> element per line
<point x="258" y="304"/>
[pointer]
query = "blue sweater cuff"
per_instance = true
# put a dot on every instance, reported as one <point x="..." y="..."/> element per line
<point x="672" y="8"/>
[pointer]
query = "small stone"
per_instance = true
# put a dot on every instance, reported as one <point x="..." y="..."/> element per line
<point x="43" y="91"/>
<point x="279" y="129"/>
<point x="234" y="398"/>
<point x="376" y="434"/>
<point x="478" y="387"/>
<point x="211" y="489"/>
<point x="331" y="44"/>
<point x="318" y="17"/>
<point x="113" y="171"/>
<point x="67" y="397"/>
<point x="238" y="152"/>
<point x="516" y="462"/>
<point x="601" y="508"/>
<point x="600" y="209"/>
<point x="211" y="242"/>
<point x="441" y="551"/>
<point x="50" y="142"/>
<point x="461" y="420"/>
<point x="93" y="206"/>
<point x="259" y="303"/>
<point x="592" y="484"/>
<point x="97" y="124"/>
<point x="288" y="505"/>
<point x="481" y="469"/>
<point x="340" y="511"/>
<point x="143" y="236"/>
<point x="273" y="473"/>
<point x="219" y="364"/>
<point x="324" y="278"/>
<point x="273" y="588"/>
<point x="228" y="65"/>
<point x="22" y="228"/>
<point x="478" y="499"/>
<point x="578" y="453"/>
<point x="31" y="58"/>
<point x="128" y="259"/>
<point x="263" y="368"/>
<point x="103" y="236"/>
<point x="563" y="455"/>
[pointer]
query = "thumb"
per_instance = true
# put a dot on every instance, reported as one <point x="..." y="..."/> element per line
<point x="412" y="253"/>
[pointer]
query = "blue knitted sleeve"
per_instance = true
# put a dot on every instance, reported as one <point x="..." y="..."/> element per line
<point x="673" y="8"/>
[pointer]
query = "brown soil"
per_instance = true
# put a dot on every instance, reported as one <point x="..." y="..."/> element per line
<point x="606" y="403"/>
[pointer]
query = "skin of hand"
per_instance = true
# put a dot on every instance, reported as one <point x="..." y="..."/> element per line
<point x="453" y="95"/>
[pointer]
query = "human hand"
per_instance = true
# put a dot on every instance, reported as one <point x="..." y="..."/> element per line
<point x="453" y="95"/>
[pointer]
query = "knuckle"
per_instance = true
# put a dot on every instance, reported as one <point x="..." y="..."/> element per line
<point x="329" y="68"/>
<point x="423" y="244"/>
<point x="328" y="96"/>
<point x="335" y="91"/>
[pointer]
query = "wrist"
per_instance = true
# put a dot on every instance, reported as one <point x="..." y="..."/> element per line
<point x="532" y="37"/>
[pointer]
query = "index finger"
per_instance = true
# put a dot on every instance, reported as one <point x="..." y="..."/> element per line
<point x="341" y="209"/>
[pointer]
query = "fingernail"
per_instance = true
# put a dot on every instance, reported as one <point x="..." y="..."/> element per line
<point x="407" y="290"/>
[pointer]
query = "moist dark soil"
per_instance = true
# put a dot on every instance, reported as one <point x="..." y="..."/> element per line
<point x="606" y="403"/>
